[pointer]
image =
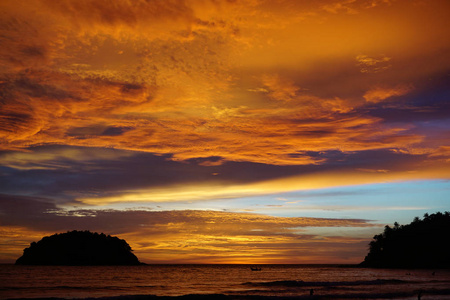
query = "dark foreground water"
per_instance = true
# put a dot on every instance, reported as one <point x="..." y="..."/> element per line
<point x="222" y="282"/>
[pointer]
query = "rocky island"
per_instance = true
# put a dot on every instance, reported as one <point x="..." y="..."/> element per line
<point x="78" y="248"/>
<point x="420" y="244"/>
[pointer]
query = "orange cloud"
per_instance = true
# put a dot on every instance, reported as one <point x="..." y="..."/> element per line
<point x="232" y="238"/>
<point x="245" y="250"/>
<point x="103" y="113"/>
<point x="379" y="94"/>
<point x="242" y="238"/>
<point x="373" y="64"/>
<point x="13" y="239"/>
<point x="282" y="90"/>
<point x="198" y="79"/>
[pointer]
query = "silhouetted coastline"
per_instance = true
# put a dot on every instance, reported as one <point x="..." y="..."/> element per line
<point x="79" y="248"/>
<point x="420" y="244"/>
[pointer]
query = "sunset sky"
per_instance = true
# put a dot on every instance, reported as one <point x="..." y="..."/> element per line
<point x="214" y="131"/>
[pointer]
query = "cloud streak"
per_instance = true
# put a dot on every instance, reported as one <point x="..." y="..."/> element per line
<point x="169" y="235"/>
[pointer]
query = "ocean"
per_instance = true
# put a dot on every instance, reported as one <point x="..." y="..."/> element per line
<point x="221" y="282"/>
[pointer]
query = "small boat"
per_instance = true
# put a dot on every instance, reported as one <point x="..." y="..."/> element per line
<point x="255" y="269"/>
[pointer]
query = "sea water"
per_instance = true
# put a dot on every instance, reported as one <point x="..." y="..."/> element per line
<point x="333" y="282"/>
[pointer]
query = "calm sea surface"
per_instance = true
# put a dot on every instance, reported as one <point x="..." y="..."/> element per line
<point x="174" y="280"/>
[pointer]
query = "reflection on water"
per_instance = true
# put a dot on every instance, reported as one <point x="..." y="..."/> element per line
<point x="173" y="280"/>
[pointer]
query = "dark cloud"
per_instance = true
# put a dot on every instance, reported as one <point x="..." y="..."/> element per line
<point x="130" y="87"/>
<point x="42" y="214"/>
<point x="97" y="130"/>
<point x="23" y="210"/>
<point x="114" y="131"/>
<point x="36" y="88"/>
<point x="86" y="131"/>
<point x="34" y="51"/>
<point x="427" y="102"/>
<point x="11" y="121"/>
<point x="73" y="171"/>
<point x="67" y="173"/>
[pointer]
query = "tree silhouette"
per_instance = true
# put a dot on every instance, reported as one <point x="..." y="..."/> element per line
<point x="78" y="248"/>
<point x="420" y="244"/>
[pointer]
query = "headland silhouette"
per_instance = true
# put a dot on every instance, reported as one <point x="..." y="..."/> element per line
<point x="78" y="248"/>
<point x="420" y="244"/>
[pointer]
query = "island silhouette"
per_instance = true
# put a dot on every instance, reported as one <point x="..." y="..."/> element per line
<point x="77" y="248"/>
<point x="420" y="244"/>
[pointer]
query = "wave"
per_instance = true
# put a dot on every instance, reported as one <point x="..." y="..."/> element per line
<point x="301" y="283"/>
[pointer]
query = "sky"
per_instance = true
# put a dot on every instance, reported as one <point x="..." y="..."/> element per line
<point x="215" y="131"/>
